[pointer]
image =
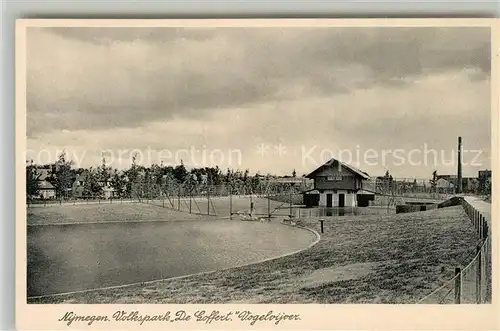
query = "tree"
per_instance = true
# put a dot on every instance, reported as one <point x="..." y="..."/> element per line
<point x="180" y="172"/>
<point x="229" y="176"/>
<point x="118" y="183"/>
<point x="91" y="186"/>
<point x="61" y="176"/>
<point x="294" y="173"/>
<point x="132" y="176"/>
<point x="434" y="179"/>
<point x="190" y="182"/>
<point x="104" y="173"/>
<point x="414" y="185"/>
<point x="32" y="177"/>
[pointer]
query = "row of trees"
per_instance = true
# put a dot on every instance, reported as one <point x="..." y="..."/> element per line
<point x="137" y="179"/>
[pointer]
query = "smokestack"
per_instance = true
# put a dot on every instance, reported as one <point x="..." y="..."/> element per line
<point x="459" y="170"/>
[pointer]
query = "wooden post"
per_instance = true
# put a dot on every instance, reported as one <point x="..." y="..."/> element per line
<point x="480" y="229"/>
<point x="269" y="206"/>
<point x="321" y="222"/>
<point x="290" y="203"/>
<point x="458" y="286"/>
<point x="230" y="204"/>
<point x="478" y="275"/>
<point x="190" y="202"/>
<point x="485" y="228"/>
<point x="179" y="199"/>
<point x="208" y="199"/>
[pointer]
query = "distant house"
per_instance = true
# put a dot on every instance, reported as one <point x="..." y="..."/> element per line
<point x="45" y="189"/>
<point x="484" y="181"/>
<point x="442" y="183"/>
<point x="339" y="185"/>
<point x="78" y="187"/>
<point x="469" y="184"/>
<point x="484" y="174"/>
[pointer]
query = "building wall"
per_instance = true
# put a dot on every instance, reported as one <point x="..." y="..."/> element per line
<point x="350" y="198"/>
<point x="336" y="178"/>
<point x="348" y="182"/>
<point x="47" y="194"/>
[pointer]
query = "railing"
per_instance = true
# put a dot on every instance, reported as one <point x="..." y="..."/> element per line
<point x="471" y="284"/>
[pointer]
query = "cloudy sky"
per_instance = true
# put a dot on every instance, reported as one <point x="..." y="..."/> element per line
<point x="267" y="99"/>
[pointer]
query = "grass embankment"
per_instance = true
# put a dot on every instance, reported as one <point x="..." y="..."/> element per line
<point x="105" y="213"/>
<point x="360" y="259"/>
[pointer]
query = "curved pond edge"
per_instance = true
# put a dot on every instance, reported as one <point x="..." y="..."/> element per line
<point x="317" y="240"/>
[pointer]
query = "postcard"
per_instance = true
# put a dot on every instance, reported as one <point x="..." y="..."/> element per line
<point x="257" y="174"/>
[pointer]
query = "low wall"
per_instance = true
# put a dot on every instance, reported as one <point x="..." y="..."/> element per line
<point x="414" y="208"/>
<point x="410" y="208"/>
<point x="455" y="201"/>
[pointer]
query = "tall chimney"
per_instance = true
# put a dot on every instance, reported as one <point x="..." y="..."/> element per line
<point x="459" y="170"/>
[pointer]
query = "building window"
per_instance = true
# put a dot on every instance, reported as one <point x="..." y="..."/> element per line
<point x="334" y="178"/>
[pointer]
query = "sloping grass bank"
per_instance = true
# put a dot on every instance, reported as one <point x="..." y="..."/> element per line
<point x="360" y="259"/>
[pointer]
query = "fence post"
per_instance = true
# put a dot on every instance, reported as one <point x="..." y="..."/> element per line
<point x="179" y="199"/>
<point x="485" y="228"/>
<point x="480" y="228"/>
<point x="458" y="286"/>
<point x="478" y="274"/>
<point x="251" y="206"/>
<point x="321" y="222"/>
<point x="190" y="202"/>
<point x="230" y="204"/>
<point x="268" y="206"/>
<point x="475" y="219"/>
<point x="208" y="199"/>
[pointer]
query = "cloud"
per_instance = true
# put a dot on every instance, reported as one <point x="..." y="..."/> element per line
<point x="432" y="112"/>
<point x="98" y="78"/>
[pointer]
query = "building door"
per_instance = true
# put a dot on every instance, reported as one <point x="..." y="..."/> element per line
<point x="328" y="199"/>
<point x="341" y="200"/>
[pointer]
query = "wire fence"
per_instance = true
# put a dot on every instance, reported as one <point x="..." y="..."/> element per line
<point x="83" y="200"/>
<point x="272" y="200"/>
<point x="388" y="192"/>
<point x="471" y="284"/>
